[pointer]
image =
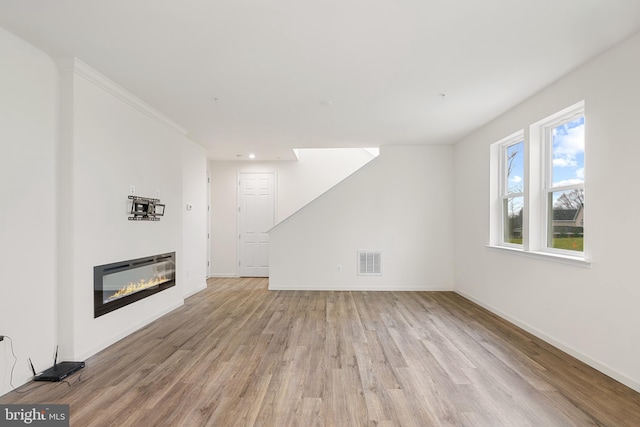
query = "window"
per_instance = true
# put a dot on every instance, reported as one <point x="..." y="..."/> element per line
<point x="538" y="187"/>
<point x="512" y="189"/>
<point x="564" y="184"/>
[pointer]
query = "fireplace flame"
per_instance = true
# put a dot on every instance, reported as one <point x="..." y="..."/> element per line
<point x="132" y="287"/>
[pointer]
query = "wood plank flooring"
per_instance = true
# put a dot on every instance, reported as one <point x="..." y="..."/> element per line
<point x="237" y="354"/>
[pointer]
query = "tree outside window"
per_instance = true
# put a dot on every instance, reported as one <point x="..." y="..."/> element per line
<point x="513" y="192"/>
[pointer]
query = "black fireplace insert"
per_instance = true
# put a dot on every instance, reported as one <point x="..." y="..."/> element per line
<point x="122" y="283"/>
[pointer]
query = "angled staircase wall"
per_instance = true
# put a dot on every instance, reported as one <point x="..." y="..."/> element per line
<point x="400" y="204"/>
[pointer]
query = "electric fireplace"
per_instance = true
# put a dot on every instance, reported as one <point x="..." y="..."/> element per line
<point x="122" y="283"/>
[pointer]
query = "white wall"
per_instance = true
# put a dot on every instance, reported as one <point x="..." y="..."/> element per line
<point x="591" y="313"/>
<point x="194" y="229"/>
<point x="28" y="134"/>
<point x="400" y="203"/>
<point x="112" y="141"/>
<point x="298" y="183"/>
<point x="72" y="144"/>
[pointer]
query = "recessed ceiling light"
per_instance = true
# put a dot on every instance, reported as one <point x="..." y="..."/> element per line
<point x="252" y="156"/>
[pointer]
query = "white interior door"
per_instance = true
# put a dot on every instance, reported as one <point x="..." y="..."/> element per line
<point x="256" y="215"/>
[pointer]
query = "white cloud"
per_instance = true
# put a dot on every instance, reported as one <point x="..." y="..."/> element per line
<point x="516" y="179"/>
<point x="580" y="173"/>
<point x="564" y="162"/>
<point x="567" y="145"/>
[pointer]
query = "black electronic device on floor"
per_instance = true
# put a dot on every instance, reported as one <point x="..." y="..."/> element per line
<point x="58" y="372"/>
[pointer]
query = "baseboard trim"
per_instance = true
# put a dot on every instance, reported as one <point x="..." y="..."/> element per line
<point x="195" y="291"/>
<point x="596" y="364"/>
<point x="361" y="288"/>
<point x="125" y="333"/>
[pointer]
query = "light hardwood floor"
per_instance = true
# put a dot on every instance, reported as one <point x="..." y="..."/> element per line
<point x="238" y="354"/>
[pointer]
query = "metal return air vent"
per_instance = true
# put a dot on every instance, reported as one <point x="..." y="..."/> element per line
<point x="369" y="263"/>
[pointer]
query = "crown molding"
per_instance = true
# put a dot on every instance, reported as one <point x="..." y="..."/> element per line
<point x="81" y="69"/>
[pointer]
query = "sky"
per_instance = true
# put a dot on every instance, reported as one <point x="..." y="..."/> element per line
<point x="568" y="153"/>
<point x="568" y="157"/>
<point x="567" y="160"/>
<point x="515" y="181"/>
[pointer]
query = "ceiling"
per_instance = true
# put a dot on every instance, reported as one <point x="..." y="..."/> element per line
<point x="263" y="77"/>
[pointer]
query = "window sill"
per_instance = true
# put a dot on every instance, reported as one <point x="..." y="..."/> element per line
<point x="545" y="256"/>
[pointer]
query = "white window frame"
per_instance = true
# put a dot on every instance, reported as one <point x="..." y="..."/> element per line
<point x="547" y="125"/>
<point x="503" y="183"/>
<point x="538" y="169"/>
